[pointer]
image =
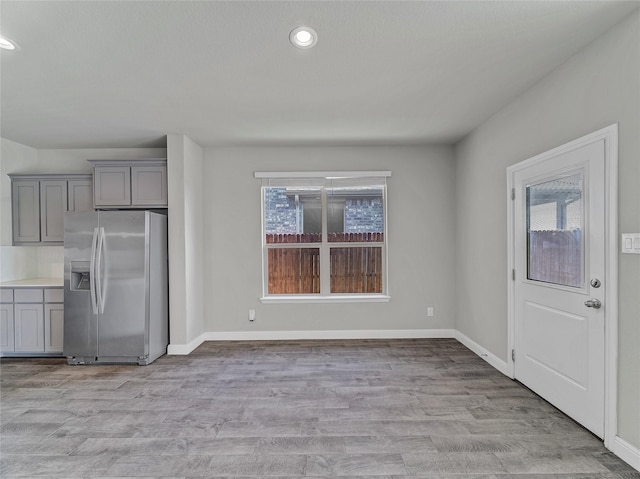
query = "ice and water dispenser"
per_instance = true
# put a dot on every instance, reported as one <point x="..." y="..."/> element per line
<point x="80" y="276"/>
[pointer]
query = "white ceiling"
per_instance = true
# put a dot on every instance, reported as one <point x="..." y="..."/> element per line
<point x="93" y="74"/>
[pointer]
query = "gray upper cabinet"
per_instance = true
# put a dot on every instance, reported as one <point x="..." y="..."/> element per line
<point x="149" y="185"/>
<point x="112" y="186"/>
<point x="53" y="204"/>
<point x="80" y="195"/>
<point x="38" y="203"/>
<point x="25" y="202"/>
<point x="140" y="183"/>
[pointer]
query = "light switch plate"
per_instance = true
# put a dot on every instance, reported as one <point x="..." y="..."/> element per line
<point x="631" y="243"/>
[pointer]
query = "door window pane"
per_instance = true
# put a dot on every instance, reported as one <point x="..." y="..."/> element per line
<point x="555" y="212"/>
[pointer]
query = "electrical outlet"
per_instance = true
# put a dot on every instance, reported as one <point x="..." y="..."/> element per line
<point x="252" y="315"/>
<point x="429" y="311"/>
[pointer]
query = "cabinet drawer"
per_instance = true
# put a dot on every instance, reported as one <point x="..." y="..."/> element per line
<point x="6" y="295"/>
<point x="28" y="296"/>
<point x="54" y="295"/>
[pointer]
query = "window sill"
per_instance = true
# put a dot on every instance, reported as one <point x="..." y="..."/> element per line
<point x="347" y="298"/>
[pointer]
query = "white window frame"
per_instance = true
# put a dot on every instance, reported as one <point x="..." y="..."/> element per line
<point x="325" y="294"/>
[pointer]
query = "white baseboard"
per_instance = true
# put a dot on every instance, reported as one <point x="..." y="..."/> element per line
<point x="491" y="358"/>
<point x="183" y="349"/>
<point x="329" y="334"/>
<point x="627" y="452"/>
<point x="180" y="349"/>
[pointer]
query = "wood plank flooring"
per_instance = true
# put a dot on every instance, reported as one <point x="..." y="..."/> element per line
<point x="359" y="408"/>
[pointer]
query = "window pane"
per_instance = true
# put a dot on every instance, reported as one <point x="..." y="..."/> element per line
<point x="294" y="270"/>
<point x="355" y="214"/>
<point x="356" y="270"/>
<point x="555" y="242"/>
<point x="292" y="215"/>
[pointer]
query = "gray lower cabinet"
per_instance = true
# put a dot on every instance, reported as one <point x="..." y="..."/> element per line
<point x="28" y="327"/>
<point x="140" y="183"/>
<point x="33" y="323"/>
<point x="53" y="320"/>
<point x="53" y="328"/>
<point x="38" y="203"/>
<point x="7" y="342"/>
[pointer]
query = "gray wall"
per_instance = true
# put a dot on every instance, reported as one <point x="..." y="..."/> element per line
<point x="420" y="231"/>
<point x="597" y="87"/>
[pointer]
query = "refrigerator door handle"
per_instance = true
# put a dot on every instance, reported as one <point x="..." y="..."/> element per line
<point x="92" y="273"/>
<point x="100" y="297"/>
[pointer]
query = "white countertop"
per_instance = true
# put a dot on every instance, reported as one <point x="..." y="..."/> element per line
<point x="34" y="283"/>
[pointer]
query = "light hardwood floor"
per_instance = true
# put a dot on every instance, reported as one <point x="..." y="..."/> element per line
<point x="390" y="408"/>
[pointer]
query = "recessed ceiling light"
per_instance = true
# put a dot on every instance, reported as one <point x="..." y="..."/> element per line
<point x="7" y="44"/>
<point x="303" y="37"/>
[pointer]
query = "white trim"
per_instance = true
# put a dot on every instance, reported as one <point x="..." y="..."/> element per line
<point x="325" y="251"/>
<point x="184" y="349"/>
<point x="321" y="174"/>
<point x="333" y="244"/>
<point x="610" y="136"/>
<point x="335" y="298"/>
<point x="331" y="334"/>
<point x="511" y="265"/>
<point x="324" y="246"/>
<point x="385" y="248"/>
<point x="489" y="357"/>
<point x="627" y="452"/>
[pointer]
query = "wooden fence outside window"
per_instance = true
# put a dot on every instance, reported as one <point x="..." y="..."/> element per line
<point x="555" y="256"/>
<point x="354" y="269"/>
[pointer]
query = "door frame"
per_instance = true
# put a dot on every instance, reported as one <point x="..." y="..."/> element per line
<point x="610" y="137"/>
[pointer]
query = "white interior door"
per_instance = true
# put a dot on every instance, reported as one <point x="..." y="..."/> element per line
<point x="559" y="294"/>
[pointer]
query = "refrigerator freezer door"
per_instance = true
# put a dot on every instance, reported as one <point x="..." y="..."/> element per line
<point x="80" y="321"/>
<point x="122" y="259"/>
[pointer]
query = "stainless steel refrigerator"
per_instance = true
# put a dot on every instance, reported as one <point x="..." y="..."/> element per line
<point x="116" y="287"/>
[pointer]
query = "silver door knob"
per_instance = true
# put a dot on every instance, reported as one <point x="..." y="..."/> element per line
<point x="593" y="303"/>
